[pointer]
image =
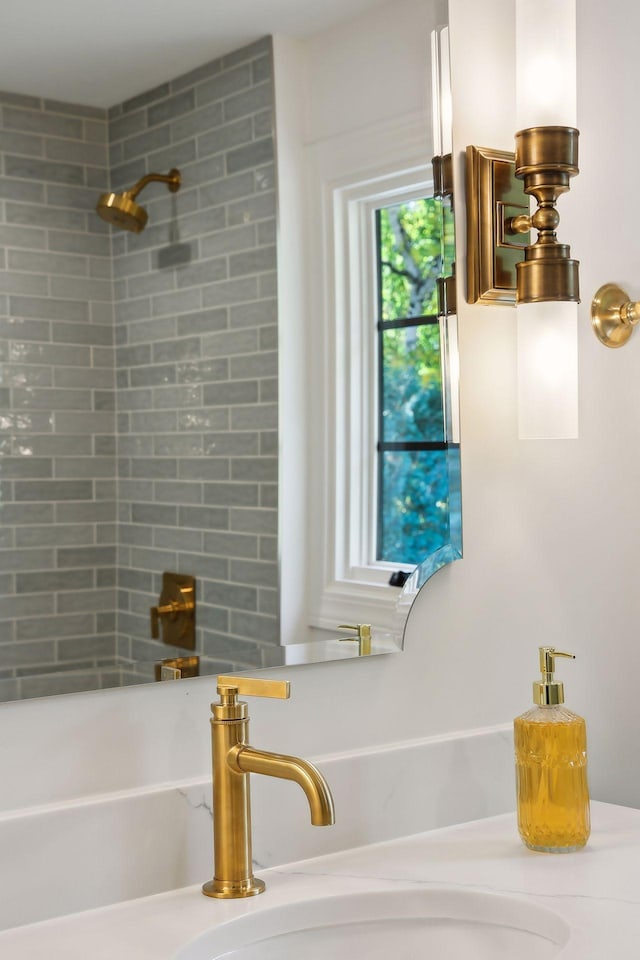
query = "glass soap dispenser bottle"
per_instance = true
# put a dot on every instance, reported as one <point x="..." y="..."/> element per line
<point x="551" y="767"/>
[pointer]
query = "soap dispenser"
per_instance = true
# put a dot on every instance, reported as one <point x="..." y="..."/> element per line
<point x="551" y="767"/>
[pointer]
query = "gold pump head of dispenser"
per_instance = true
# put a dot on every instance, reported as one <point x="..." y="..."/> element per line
<point x="549" y="692"/>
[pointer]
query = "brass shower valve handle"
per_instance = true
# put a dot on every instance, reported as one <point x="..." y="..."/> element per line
<point x="170" y="610"/>
<point x="175" y="611"/>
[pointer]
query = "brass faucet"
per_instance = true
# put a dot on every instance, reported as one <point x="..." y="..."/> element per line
<point x="233" y="761"/>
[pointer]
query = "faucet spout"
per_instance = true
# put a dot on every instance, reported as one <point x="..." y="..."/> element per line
<point x="246" y="759"/>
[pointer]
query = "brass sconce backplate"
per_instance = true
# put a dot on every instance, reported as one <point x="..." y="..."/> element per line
<point x="494" y="198"/>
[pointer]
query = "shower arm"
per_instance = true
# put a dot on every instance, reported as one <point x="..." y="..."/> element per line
<point x="172" y="179"/>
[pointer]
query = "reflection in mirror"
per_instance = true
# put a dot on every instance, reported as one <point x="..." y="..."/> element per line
<point x="141" y="398"/>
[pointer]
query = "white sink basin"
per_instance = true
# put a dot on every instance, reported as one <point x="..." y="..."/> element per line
<point x="407" y="924"/>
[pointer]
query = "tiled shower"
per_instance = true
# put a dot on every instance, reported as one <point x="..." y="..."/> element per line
<point x="138" y="393"/>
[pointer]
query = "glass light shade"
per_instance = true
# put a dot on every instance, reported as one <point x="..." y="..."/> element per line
<point x="545" y="63"/>
<point x="441" y="107"/>
<point x="446" y="100"/>
<point x="547" y="370"/>
<point x="435" y="95"/>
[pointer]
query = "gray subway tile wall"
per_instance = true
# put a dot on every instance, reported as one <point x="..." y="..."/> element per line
<point x="183" y="409"/>
<point x="56" y="268"/>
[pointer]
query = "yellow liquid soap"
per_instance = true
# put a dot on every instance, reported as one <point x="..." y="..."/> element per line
<point x="551" y="779"/>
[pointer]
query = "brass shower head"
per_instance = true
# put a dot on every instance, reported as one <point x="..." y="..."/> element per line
<point x="121" y="209"/>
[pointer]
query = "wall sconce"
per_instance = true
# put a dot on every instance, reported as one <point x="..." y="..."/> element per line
<point x="503" y="266"/>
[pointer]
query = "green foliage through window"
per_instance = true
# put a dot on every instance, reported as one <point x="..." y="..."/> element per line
<point x="413" y="483"/>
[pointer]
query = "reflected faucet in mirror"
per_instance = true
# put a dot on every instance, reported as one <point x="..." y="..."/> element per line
<point x="362" y="637"/>
<point x="232" y="761"/>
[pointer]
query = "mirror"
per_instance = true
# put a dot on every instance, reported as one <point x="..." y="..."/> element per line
<point x="139" y="390"/>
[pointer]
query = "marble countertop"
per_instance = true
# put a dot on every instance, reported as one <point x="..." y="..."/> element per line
<point x="596" y="891"/>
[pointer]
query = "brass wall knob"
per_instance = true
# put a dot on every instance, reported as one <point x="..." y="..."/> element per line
<point x="613" y="315"/>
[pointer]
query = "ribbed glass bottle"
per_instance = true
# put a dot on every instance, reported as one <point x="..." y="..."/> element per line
<point x="551" y="779"/>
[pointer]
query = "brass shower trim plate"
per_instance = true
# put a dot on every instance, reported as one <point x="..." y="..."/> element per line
<point x="176" y="611"/>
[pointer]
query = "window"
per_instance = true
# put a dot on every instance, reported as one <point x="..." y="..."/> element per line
<point x="412" y="464"/>
<point x="380" y="421"/>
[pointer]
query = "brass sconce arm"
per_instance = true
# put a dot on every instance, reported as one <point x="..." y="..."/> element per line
<point x="613" y="315"/>
<point x="546" y="159"/>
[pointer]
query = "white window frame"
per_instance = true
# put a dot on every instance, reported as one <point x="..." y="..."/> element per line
<point x="344" y="585"/>
<point x="357" y="560"/>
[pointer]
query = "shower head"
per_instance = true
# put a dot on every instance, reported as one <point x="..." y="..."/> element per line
<point x="121" y="209"/>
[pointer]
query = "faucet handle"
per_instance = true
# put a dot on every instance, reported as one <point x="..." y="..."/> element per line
<point x="230" y="688"/>
<point x="252" y="687"/>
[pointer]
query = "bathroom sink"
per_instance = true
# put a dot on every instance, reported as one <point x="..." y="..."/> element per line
<point x="407" y="924"/>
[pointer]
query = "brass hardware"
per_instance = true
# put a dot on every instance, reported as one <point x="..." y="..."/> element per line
<point x="501" y="266"/>
<point x="177" y="668"/>
<point x="233" y="760"/>
<point x="252" y="687"/>
<point x="494" y="198"/>
<point x="546" y="159"/>
<point x="362" y="638"/>
<point x="121" y="209"/>
<point x="446" y="295"/>
<point x="442" y="167"/>
<point x="176" y="611"/>
<point x="613" y="315"/>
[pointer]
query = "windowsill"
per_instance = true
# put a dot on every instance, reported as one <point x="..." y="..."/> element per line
<point x="355" y="601"/>
<point x="377" y="575"/>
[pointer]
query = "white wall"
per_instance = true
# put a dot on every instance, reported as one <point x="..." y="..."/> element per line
<point x="370" y="69"/>
<point x="550" y="528"/>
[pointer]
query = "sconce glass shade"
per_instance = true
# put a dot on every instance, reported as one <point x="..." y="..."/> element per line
<point x="446" y="98"/>
<point x="547" y="371"/>
<point x="436" y="124"/>
<point x="441" y="93"/>
<point x="545" y="63"/>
